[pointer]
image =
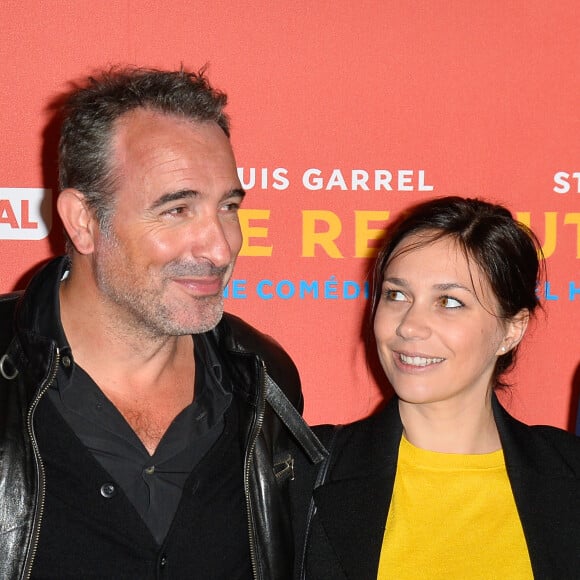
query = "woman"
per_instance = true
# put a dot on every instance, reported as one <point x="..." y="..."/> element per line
<point x="444" y="483"/>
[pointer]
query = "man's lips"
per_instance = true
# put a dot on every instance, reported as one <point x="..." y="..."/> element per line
<point x="209" y="286"/>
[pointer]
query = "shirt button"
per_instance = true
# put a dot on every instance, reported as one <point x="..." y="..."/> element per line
<point x="108" y="490"/>
<point x="163" y="561"/>
<point x="66" y="362"/>
<point x="150" y="470"/>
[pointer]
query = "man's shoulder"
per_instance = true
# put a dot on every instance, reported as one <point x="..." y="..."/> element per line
<point x="8" y="304"/>
<point x="244" y="337"/>
<point x="240" y="337"/>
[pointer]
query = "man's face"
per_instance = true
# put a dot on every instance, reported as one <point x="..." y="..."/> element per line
<point x="175" y="233"/>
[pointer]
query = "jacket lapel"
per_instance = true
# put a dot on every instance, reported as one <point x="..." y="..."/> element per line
<point x="353" y="514"/>
<point x="352" y="506"/>
<point x="546" y="489"/>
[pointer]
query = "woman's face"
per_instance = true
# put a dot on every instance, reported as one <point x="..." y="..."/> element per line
<point x="436" y="328"/>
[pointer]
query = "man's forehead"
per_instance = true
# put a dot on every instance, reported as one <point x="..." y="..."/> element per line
<point x="171" y="153"/>
<point x="146" y="121"/>
<point x="151" y="138"/>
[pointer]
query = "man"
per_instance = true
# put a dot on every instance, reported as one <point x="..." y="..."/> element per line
<point x="142" y="433"/>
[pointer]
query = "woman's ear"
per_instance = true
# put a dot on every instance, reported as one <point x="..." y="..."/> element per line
<point x="77" y="219"/>
<point x="515" y="330"/>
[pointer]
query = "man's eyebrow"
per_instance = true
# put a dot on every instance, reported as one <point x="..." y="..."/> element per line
<point x="173" y="196"/>
<point x="237" y="192"/>
<point x="189" y="193"/>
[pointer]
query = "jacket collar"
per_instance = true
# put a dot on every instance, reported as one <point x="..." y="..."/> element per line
<point x="254" y="353"/>
<point x="38" y="311"/>
<point x="38" y="332"/>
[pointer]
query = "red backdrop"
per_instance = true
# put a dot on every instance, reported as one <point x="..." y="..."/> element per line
<point x="343" y="113"/>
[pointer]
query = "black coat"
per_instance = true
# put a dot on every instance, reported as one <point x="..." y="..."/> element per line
<point x="346" y="531"/>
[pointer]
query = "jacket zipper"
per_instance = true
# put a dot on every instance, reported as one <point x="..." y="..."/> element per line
<point x="40" y="470"/>
<point x="285" y="469"/>
<point x="249" y="453"/>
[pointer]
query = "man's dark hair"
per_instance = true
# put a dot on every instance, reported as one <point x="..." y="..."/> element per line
<point x="91" y="113"/>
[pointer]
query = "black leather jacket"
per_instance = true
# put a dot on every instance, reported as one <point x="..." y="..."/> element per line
<point x="261" y="371"/>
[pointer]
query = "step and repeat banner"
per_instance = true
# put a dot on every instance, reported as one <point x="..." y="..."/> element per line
<point x="343" y="114"/>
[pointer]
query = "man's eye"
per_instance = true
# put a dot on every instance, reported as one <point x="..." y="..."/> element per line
<point x="174" y="210"/>
<point x="232" y="206"/>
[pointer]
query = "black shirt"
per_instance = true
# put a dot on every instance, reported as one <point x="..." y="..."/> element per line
<point x="153" y="483"/>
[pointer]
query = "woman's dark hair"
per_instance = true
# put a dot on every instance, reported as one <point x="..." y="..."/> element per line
<point x="506" y="251"/>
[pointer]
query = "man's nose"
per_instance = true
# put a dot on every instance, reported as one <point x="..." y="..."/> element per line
<point x="212" y="241"/>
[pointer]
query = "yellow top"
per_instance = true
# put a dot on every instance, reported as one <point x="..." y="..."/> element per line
<point x="452" y="517"/>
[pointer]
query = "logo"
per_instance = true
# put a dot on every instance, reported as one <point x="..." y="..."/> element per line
<point x="25" y="213"/>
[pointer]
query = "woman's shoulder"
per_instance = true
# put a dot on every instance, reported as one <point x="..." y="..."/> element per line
<point x="549" y="449"/>
<point x="567" y="444"/>
<point x="386" y="417"/>
<point x="362" y="432"/>
<point x="365" y="445"/>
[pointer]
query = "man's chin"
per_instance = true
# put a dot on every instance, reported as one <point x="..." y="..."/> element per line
<point x="208" y="320"/>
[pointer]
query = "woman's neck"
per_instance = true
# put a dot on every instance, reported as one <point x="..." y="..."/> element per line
<point x="448" y="428"/>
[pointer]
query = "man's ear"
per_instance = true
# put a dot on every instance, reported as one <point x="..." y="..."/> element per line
<point x="515" y="330"/>
<point x="77" y="219"/>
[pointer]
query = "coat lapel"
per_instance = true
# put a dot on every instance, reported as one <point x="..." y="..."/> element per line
<point x="352" y="507"/>
<point x="546" y="488"/>
<point x="353" y="514"/>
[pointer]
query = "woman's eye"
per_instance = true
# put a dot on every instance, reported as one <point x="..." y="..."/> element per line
<point x="394" y="295"/>
<point x="450" y="302"/>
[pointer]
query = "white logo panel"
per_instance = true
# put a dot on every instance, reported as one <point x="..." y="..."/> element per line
<point x="25" y="213"/>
